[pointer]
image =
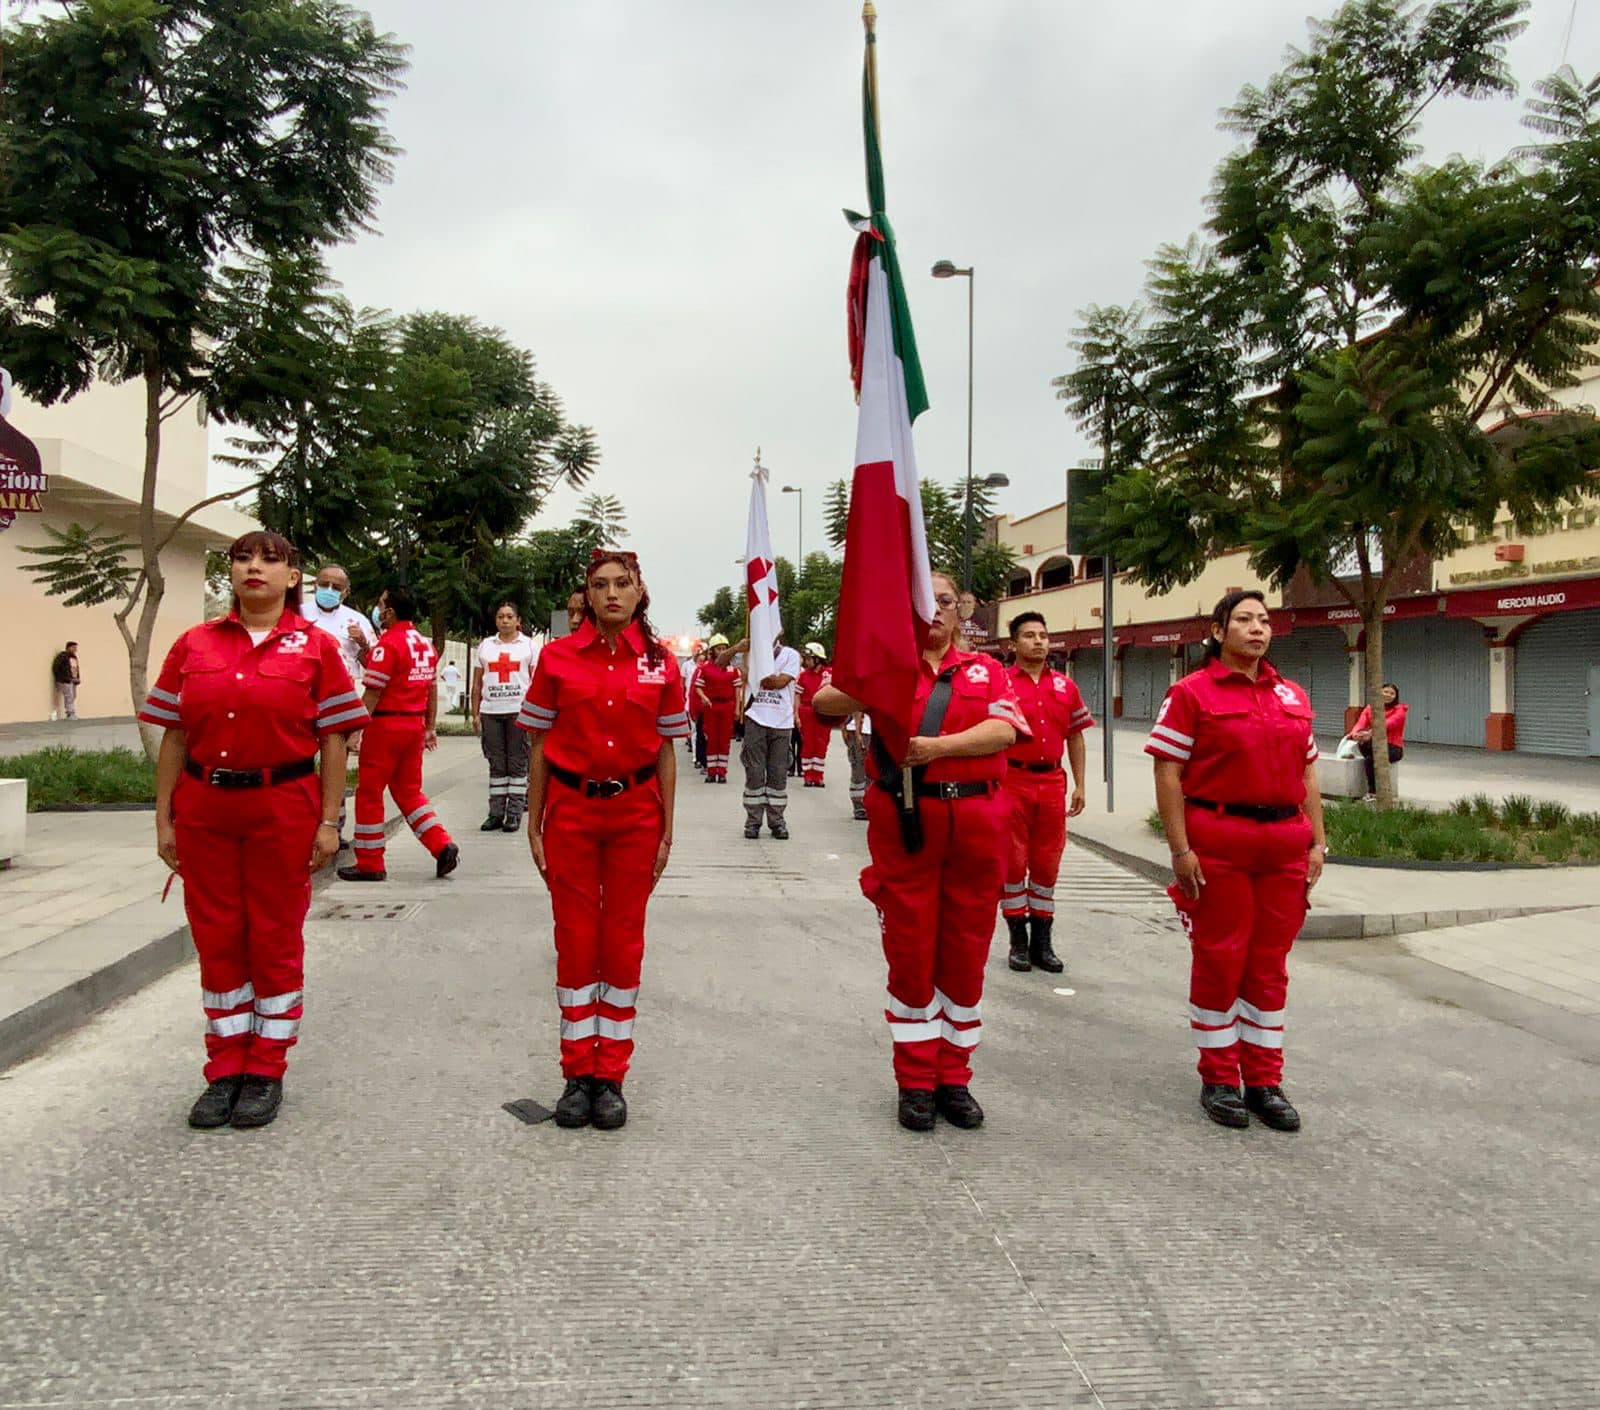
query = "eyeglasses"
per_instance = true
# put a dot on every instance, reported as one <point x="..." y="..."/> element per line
<point x="944" y="600"/>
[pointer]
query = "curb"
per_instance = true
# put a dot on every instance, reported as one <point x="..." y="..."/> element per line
<point x="24" y="1033"/>
<point x="1335" y="925"/>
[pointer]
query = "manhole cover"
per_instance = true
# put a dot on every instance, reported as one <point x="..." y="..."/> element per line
<point x="372" y="910"/>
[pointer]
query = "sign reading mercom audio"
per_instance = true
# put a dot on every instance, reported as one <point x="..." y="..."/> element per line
<point x="23" y="483"/>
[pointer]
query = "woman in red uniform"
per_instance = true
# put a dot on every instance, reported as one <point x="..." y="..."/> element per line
<point x="1236" y="783"/>
<point x="814" y="735"/>
<point x="715" y="687"/>
<point x="936" y="902"/>
<point x="605" y="705"/>
<point x="249" y="702"/>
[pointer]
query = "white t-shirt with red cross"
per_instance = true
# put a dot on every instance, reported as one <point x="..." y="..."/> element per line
<point x="507" y="668"/>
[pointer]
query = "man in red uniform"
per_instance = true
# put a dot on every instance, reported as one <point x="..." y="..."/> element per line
<point x="716" y="688"/>
<point x="402" y="693"/>
<point x="1057" y="718"/>
<point x="604" y="708"/>
<point x="1236" y="784"/>
<point x="936" y="901"/>
<point x="814" y="736"/>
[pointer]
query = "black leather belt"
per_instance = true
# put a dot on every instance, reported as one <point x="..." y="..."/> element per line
<point x="974" y="789"/>
<point x="404" y="714"/>
<point x="600" y="787"/>
<point x="1054" y="768"/>
<point x="1255" y="812"/>
<point x="250" y="778"/>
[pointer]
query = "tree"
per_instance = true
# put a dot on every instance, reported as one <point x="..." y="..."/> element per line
<point x="158" y="163"/>
<point x="808" y="603"/>
<point x="942" y="521"/>
<point x="1312" y="382"/>
<point x="724" y="613"/>
<point x="605" y="515"/>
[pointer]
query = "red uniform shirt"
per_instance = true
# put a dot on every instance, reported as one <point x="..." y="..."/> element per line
<point x="979" y="691"/>
<point x="401" y="667"/>
<point x="1054" y="711"/>
<point x="1394" y="722"/>
<point x="812" y="679"/>
<point x="718" y="682"/>
<point x="607" y="711"/>
<point x="1239" y="741"/>
<point x="242" y="706"/>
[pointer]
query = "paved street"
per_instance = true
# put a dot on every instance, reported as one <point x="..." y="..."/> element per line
<point x="762" y="1233"/>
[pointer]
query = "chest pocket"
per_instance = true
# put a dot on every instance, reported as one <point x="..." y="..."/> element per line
<point x="645" y="696"/>
<point x="287" y="666"/>
<point x="1230" y="729"/>
<point x="969" y="704"/>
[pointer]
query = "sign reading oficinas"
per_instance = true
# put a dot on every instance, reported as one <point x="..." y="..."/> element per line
<point x="23" y="483"/>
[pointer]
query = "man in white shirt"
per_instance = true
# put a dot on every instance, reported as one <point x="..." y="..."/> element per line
<point x="768" y="723"/>
<point x="450" y="685"/>
<point x="329" y="611"/>
<point x="502" y="671"/>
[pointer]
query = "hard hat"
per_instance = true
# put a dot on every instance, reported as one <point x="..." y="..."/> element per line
<point x="718" y="640"/>
<point x="814" y="648"/>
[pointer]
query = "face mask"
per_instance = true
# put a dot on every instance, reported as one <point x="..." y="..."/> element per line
<point x="328" y="598"/>
<point x="377" y="619"/>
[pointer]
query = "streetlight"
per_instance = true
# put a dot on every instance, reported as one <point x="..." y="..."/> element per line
<point x="944" y="269"/>
<point x="800" y="527"/>
<point x="988" y="482"/>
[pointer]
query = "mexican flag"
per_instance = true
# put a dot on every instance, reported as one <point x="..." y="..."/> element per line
<point x="886" y="596"/>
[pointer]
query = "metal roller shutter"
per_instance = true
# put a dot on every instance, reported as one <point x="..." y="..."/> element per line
<point x="1314" y="658"/>
<point x="1144" y="681"/>
<point x="1085" y="674"/>
<point x="1554" y="659"/>
<point x="1441" y="667"/>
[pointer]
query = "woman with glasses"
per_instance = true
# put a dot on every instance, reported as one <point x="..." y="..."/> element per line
<point x="251" y="703"/>
<point x="937" y="865"/>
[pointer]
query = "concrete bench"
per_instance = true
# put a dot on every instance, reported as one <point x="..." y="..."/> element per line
<point x="1347" y="778"/>
<point x="13" y="818"/>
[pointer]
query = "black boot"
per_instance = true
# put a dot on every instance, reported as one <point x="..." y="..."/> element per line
<point x="915" y="1110"/>
<point x="1018" y="959"/>
<point x="1270" y="1104"/>
<point x="215" y="1105"/>
<point x="610" y="1111"/>
<point x="959" y="1107"/>
<point x="1222" y="1105"/>
<point x="573" y="1108"/>
<point x="447" y="860"/>
<point x="1039" y="950"/>
<point x="259" y="1100"/>
<point x="513" y="823"/>
<point x="491" y="824"/>
<point x="354" y="873"/>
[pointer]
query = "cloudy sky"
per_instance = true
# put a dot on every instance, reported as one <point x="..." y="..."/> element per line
<point x="647" y="194"/>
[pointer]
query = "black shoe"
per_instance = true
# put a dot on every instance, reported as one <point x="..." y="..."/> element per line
<point x="1018" y="958"/>
<point x="356" y="874"/>
<point x="780" y="831"/>
<point x="752" y="831"/>
<point x="573" y="1108"/>
<point x="723" y="779"/>
<point x="860" y="811"/>
<point x="449" y="860"/>
<point x="1270" y="1104"/>
<point x="610" y="1112"/>
<point x="915" y="1111"/>
<point x="958" y="1106"/>
<point x="1039" y="950"/>
<point x="259" y="1100"/>
<point x="1222" y="1105"/>
<point x="511" y="824"/>
<point x="709" y="778"/>
<point x="491" y="824"/>
<point x="215" y="1105"/>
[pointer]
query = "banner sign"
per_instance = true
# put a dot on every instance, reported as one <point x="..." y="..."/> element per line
<point x="23" y="483"/>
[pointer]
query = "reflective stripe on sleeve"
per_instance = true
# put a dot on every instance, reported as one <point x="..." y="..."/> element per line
<point x="346" y="698"/>
<point x="156" y="714"/>
<point x="342" y="718"/>
<point x="167" y="697"/>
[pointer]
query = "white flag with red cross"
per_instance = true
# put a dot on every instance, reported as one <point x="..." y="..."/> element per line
<point x="761" y="586"/>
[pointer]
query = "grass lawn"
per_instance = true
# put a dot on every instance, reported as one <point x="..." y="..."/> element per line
<point x="62" y="777"/>
<point x="1475" y="829"/>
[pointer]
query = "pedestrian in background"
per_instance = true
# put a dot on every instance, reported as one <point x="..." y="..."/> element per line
<point x="1394" y="729"/>
<point x="450" y="684"/>
<point x="249" y="702"/>
<point x="936" y="868"/>
<point x="500" y="681"/>
<point x="66" y="679"/>
<point x="605" y="709"/>
<point x="814" y="737"/>
<point x="330" y="612"/>
<point x="768" y="727"/>
<point x="402" y="695"/>
<point x="857" y="731"/>
<point x="716" y="687"/>
<point x="1236" y="784"/>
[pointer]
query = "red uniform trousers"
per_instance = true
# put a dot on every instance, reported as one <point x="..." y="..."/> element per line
<point x="814" y="739"/>
<point x="936" y="911"/>
<point x="599" y="856"/>
<point x="1038" y="837"/>
<point x="391" y="757"/>
<point x="1240" y="930"/>
<point x="246" y="858"/>
<point x="718" y="720"/>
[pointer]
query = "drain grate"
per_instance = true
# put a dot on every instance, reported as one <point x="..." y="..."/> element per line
<point x="371" y="910"/>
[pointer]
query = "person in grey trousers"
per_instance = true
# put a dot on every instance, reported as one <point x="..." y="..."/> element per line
<point x="768" y="723"/>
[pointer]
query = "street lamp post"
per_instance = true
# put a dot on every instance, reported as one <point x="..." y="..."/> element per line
<point x="800" y="527"/>
<point x="944" y="269"/>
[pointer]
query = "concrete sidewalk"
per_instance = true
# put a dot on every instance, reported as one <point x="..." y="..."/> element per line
<point x="85" y="924"/>
<point x="1356" y="902"/>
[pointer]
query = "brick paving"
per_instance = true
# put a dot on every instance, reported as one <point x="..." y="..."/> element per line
<point x="762" y="1234"/>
